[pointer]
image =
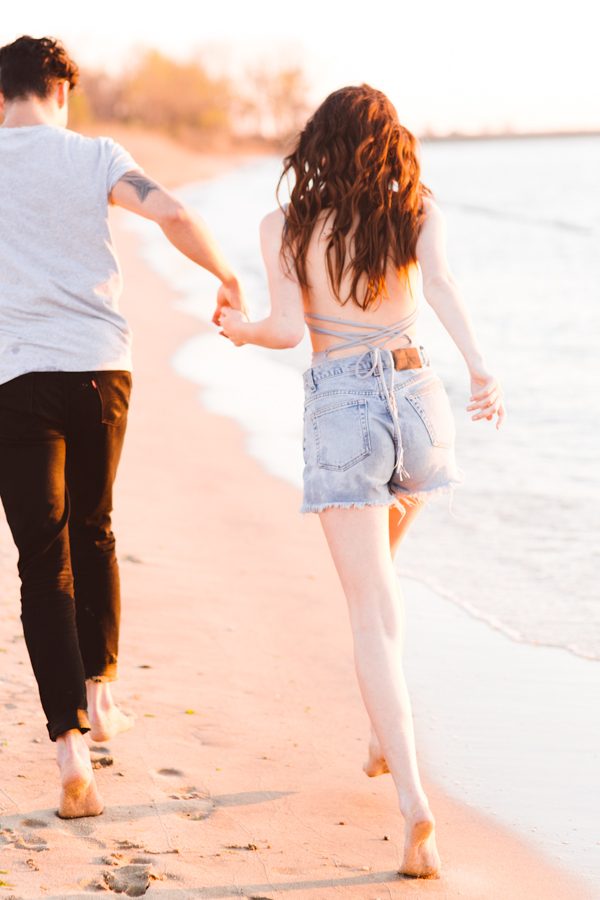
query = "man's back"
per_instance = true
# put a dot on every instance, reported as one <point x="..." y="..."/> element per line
<point x="59" y="277"/>
<point x="64" y="396"/>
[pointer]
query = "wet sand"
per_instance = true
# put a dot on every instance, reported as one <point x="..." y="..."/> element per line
<point x="242" y="777"/>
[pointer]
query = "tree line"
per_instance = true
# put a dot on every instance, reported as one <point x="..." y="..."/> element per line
<point x="187" y="101"/>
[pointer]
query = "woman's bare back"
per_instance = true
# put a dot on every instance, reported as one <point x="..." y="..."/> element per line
<point x="403" y="290"/>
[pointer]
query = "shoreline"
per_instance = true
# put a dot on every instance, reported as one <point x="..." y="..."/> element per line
<point x="242" y="776"/>
<point x="572" y="840"/>
<point x="256" y="148"/>
<point x="449" y="809"/>
<point x="440" y="624"/>
<point x="230" y="392"/>
<point x="508" y="136"/>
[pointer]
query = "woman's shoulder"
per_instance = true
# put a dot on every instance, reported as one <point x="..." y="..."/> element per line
<point x="272" y="224"/>
<point x="273" y="219"/>
<point x="431" y="208"/>
<point x="433" y="223"/>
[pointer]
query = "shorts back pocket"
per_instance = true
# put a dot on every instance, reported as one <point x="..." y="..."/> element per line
<point x="431" y="404"/>
<point x="341" y="434"/>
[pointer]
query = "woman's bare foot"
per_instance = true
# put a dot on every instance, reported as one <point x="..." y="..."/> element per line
<point x="79" y="795"/>
<point x="421" y="859"/>
<point x="375" y="764"/>
<point x="106" y="719"/>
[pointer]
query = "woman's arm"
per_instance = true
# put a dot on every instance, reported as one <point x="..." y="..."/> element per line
<point x="284" y="327"/>
<point x="444" y="296"/>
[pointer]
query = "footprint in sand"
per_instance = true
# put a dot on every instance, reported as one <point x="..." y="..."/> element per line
<point x="23" y="842"/>
<point x="102" y="762"/>
<point x="127" y="845"/>
<point x="133" y="880"/>
<point x="83" y="828"/>
<point x="34" y="823"/>
<point x="192" y="804"/>
<point x="202" y="809"/>
<point x="189" y="793"/>
<point x="115" y="859"/>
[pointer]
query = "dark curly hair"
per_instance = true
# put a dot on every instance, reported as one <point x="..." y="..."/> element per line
<point x="355" y="161"/>
<point x="32" y="66"/>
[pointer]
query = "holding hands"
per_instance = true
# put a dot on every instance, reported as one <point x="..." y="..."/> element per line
<point x="233" y="324"/>
<point x="229" y="296"/>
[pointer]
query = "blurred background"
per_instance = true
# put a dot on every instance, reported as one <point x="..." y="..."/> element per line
<point x="231" y="71"/>
<point x="504" y="96"/>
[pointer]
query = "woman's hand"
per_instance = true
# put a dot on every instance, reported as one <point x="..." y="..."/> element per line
<point x="233" y="325"/>
<point x="486" y="398"/>
<point x="230" y="294"/>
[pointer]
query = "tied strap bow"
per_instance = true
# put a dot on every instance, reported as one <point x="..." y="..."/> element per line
<point x="373" y="337"/>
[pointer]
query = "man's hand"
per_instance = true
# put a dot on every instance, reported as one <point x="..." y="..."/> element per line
<point x="229" y="295"/>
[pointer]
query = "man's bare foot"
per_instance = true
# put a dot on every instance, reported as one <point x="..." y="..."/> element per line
<point x="375" y="764"/>
<point x="105" y="724"/>
<point x="79" y="795"/>
<point x="106" y="719"/>
<point x="421" y="859"/>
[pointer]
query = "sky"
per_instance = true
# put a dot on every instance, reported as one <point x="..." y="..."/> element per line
<point x="458" y="65"/>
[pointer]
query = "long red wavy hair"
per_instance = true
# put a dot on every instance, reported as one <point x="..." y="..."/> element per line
<point x="356" y="162"/>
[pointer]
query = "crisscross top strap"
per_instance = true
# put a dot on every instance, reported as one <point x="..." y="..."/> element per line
<point x="358" y="334"/>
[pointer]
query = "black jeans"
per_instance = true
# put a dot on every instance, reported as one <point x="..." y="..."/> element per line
<point x="61" y="435"/>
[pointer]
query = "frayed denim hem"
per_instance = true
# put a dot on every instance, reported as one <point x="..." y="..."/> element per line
<point x="358" y="504"/>
<point x="395" y="499"/>
<point x="430" y="494"/>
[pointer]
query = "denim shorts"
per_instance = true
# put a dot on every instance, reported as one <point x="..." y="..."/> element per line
<point x="373" y="435"/>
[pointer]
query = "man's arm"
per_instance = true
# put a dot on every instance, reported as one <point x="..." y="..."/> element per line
<point x="183" y="228"/>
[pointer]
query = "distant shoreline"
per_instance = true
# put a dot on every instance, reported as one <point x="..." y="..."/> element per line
<point x="506" y="136"/>
<point x="160" y="145"/>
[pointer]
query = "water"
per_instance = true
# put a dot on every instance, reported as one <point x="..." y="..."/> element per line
<point x="523" y="217"/>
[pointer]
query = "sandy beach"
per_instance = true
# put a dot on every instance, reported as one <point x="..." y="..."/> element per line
<point x="242" y="777"/>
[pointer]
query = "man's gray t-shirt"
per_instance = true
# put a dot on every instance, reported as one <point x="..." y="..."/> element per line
<point x="60" y="280"/>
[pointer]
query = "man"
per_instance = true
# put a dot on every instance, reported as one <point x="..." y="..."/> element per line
<point x="65" y="380"/>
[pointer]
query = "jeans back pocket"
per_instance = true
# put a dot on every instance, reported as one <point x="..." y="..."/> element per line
<point x="341" y="434"/>
<point x="114" y="390"/>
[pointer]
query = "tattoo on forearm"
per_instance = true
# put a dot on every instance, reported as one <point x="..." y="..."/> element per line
<point x="141" y="185"/>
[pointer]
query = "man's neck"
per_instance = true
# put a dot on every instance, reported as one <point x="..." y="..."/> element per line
<point x="32" y="111"/>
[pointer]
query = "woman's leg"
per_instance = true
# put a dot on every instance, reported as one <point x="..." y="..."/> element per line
<point x="400" y="521"/>
<point x="359" y="541"/>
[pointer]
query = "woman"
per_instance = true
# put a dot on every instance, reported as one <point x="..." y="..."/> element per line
<point x="345" y="256"/>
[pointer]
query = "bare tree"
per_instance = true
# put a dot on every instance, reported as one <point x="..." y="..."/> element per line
<point x="276" y="100"/>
